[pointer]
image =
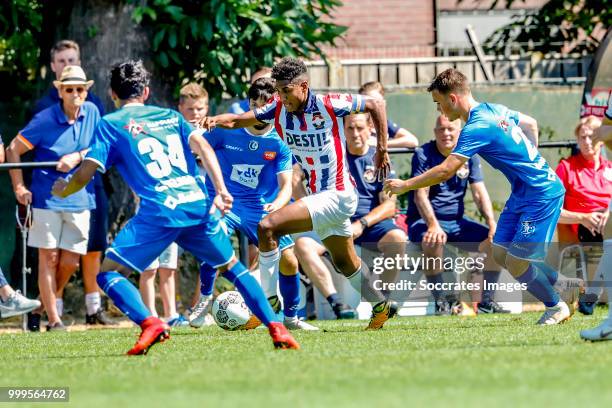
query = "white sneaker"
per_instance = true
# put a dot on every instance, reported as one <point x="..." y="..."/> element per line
<point x="297" y="324"/>
<point x="599" y="333"/>
<point x="569" y="289"/>
<point x="197" y="318"/>
<point x="17" y="304"/>
<point x="555" y="315"/>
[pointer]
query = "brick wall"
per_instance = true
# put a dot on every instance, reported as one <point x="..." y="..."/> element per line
<point x="385" y="29"/>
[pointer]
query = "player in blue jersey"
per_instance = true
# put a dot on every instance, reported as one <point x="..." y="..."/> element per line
<point x="151" y="148"/>
<point x="257" y="170"/>
<point x="508" y="141"/>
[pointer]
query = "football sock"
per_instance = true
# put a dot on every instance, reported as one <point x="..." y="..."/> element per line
<point x="207" y="279"/>
<point x="124" y="294"/>
<point x="488" y="293"/>
<point x="268" y="271"/>
<point x="438" y="280"/>
<point x="252" y="293"/>
<point x="539" y="286"/>
<point x="333" y="299"/>
<point x="290" y="291"/>
<point x="549" y="272"/>
<point x="93" y="302"/>
<point x="59" y="305"/>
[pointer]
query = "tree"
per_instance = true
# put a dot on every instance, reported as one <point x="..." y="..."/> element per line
<point x="560" y="26"/>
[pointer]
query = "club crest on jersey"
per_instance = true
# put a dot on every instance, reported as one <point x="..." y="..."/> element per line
<point x="527" y="228"/>
<point x="135" y="128"/>
<point x="504" y="125"/>
<point x="317" y="121"/>
<point x="369" y="175"/>
<point x="269" y="155"/>
<point x="253" y="145"/>
<point x="463" y="172"/>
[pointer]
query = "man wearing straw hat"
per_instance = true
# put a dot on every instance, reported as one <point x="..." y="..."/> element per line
<point x="62" y="133"/>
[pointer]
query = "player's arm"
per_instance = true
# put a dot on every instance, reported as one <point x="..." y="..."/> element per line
<point x="285" y="189"/>
<point x="377" y="110"/>
<point x="435" y="175"/>
<point x="83" y="175"/>
<point x="13" y="155"/>
<point x="230" y="121"/>
<point x="297" y="182"/>
<point x="529" y="126"/>
<point x="483" y="202"/>
<point x="403" y="138"/>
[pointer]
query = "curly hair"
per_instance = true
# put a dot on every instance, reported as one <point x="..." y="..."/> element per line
<point x="263" y="88"/>
<point x="289" y="69"/>
<point x="450" y="80"/>
<point x="129" y="79"/>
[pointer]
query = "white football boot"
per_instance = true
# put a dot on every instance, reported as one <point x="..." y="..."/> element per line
<point x="555" y="314"/>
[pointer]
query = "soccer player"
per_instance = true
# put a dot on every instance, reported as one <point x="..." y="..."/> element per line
<point x="312" y="126"/>
<point x="151" y="148"/>
<point x="507" y="140"/>
<point x="256" y="166"/>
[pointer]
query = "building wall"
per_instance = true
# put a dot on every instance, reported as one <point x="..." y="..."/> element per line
<point x="385" y="29"/>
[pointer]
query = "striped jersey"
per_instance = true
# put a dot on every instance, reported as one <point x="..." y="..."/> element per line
<point x="316" y="137"/>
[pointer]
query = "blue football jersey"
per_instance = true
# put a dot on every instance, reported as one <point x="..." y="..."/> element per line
<point x="149" y="146"/>
<point x="250" y="164"/>
<point x="492" y="132"/>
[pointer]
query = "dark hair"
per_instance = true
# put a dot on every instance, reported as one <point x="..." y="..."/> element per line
<point x="262" y="88"/>
<point x="450" y="80"/>
<point x="64" y="45"/>
<point x="372" y="86"/>
<point x="289" y="69"/>
<point x="129" y="79"/>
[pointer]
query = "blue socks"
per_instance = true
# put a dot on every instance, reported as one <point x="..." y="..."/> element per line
<point x="333" y="299"/>
<point x="290" y="291"/>
<point x="551" y="273"/>
<point x="207" y="279"/>
<point x="435" y="279"/>
<point x="252" y="293"/>
<point x="487" y="294"/>
<point x="539" y="286"/>
<point x="124" y="294"/>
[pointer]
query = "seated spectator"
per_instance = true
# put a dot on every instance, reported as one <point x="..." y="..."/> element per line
<point x="398" y="136"/>
<point x="60" y="227"/>
<point x="372" y="222"/>
<point x="12" y="302"/>
<point x="587" y="178"/>
<point x="436" y="214"/>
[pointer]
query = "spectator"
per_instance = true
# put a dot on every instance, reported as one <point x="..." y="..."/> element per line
<point x="193" y="102"/>
<point x="587" y="178"/>
<point x="243" y="105"/>
<point x="12" y="302"/>
<point x="60" y="227"/>
<point x="63" y="53"/>
<point x="398" y="136"/>
<point x="436" y="214"/>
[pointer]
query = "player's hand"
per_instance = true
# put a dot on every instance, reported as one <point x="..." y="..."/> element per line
<point x="270" y="207"/>
<point x="208" y="123"/>
<point x="434" y="236"/>
<point x="394" y="186"/>
<point x="382" y="164"/>
<point x="357" y="229"/>
<point x="593" y="221"/>
<point x="223" y="201"/>
<point x="68" y="162"/>
<point x="58" y="187"/>
<point x="23" y="195"/>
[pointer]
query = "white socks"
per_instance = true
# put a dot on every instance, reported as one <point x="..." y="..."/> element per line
<point x="59" y="305"/>
<point x="268" y="271"/>
<point x="93" y="302"/>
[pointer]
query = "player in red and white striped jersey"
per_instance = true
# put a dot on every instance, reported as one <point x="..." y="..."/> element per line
<point x="313" y="128"/>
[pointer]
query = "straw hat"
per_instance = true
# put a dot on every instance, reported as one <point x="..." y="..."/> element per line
<point x="73" y="75"/>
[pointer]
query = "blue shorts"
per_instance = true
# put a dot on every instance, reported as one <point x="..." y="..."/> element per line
<point x="464" y="232"/>
<point x="526" y="232"/>
<point x="373" y="234"/>
<point x="245" y="220"/>
<point x="139" y="243"/>
<point x="98" y="222"/>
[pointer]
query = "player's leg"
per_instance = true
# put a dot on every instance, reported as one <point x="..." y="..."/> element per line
<point x="146" y="287"/>
<point x="209" y="243"/>
<point x="604" y="330"/>
<point x="13" y="303"/>
<point x="168" y="263"/>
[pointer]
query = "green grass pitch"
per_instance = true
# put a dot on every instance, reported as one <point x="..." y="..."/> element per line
<point x="492" y="361"/>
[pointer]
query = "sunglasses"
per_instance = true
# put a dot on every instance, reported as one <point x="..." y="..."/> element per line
<point x="80" y="89"/>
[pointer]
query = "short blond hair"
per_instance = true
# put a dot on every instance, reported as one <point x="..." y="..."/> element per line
<point x="591" y="121"/>
<point x="192" y="90"/>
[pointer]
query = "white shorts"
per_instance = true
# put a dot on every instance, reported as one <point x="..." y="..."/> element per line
<point x="59" y="229"/>
<point x="167" y="259"/>
<point x="331" y="212"/>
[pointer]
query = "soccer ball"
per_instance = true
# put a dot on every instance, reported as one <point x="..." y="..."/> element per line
<point x="229" y="311"/>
